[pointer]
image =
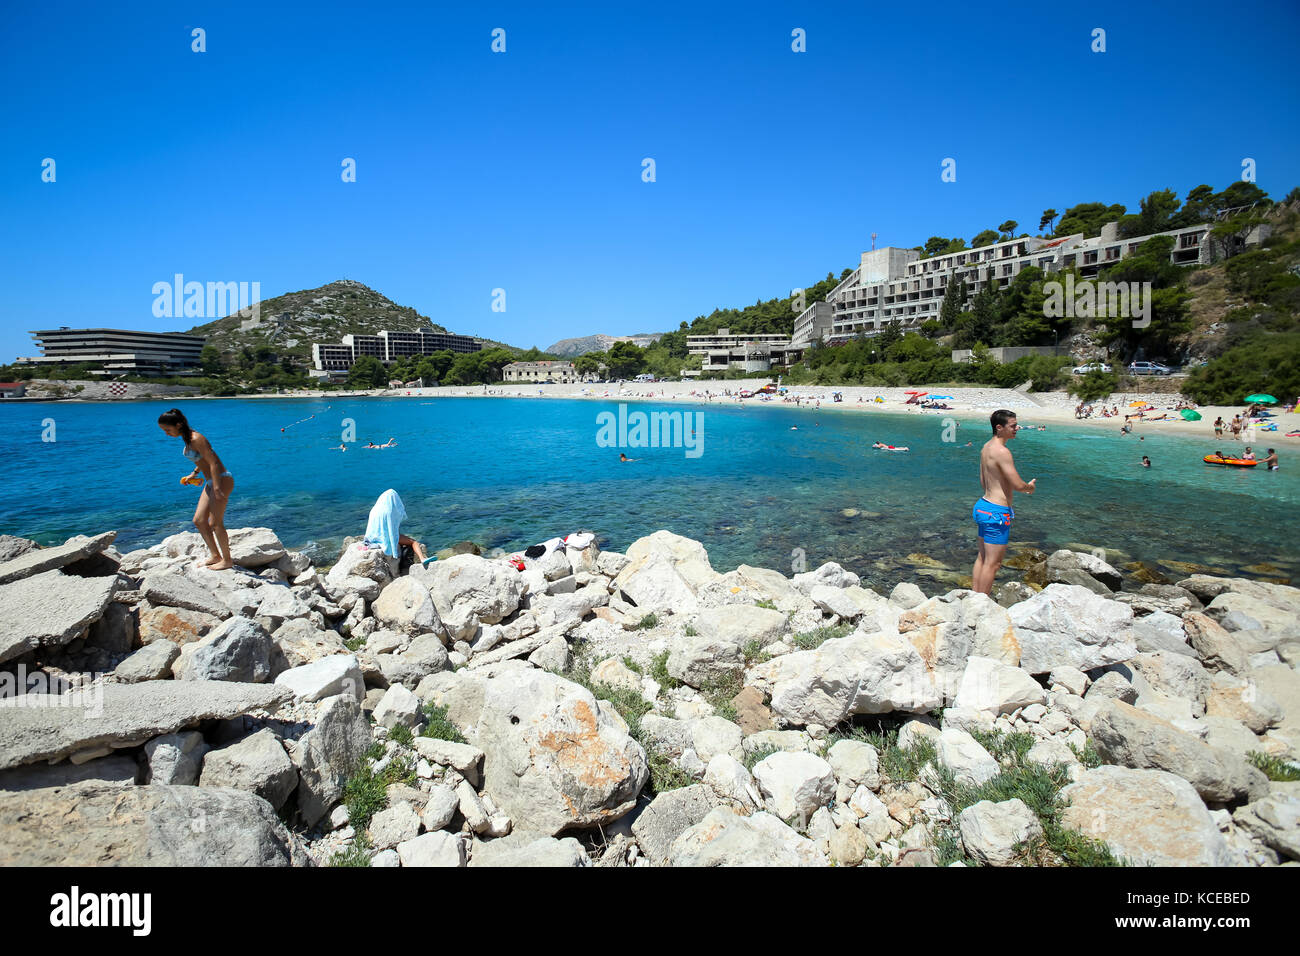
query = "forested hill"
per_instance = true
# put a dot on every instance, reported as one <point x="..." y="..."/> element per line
<point x="1160" y="211"/>
<point x="290" y="323"/>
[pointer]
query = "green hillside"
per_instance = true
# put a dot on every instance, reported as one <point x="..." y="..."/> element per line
<point x="290" y="323"/>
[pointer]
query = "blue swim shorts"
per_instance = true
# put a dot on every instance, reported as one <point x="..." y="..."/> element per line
<point x="993" y="521"/>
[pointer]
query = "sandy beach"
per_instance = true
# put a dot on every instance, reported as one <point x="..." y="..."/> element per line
<point x="1054" y="409"/>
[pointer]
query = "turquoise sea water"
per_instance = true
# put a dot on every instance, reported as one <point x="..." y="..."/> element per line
<point x="510" y="472"/>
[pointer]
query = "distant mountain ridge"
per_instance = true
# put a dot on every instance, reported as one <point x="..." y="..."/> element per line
<point x="571" y="348"/>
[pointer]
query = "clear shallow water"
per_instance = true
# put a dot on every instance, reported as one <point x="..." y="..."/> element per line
<point x="509" y="472"/>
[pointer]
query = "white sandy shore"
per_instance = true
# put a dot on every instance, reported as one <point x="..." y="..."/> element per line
<point x="1037" y="408"/>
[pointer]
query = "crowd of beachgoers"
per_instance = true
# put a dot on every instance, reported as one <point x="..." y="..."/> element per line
<point x="1158" y="410"/>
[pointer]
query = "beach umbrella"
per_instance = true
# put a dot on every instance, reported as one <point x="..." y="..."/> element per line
<point x="1190" y="415"/>
<point x="1135" y="404"/>
<point x="1262" y="399"/>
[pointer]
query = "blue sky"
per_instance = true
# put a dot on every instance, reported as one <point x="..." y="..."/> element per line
<point x="522" y="170"/>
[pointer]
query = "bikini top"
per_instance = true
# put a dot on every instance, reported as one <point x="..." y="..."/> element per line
<point x="191" y="454"/>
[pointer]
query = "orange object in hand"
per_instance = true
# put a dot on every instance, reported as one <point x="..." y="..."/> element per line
<point x="192" y="480"/>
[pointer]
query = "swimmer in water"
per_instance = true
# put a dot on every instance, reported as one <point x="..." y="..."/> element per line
<point x="1146" y="462"/>
<point x="623" y="457"/>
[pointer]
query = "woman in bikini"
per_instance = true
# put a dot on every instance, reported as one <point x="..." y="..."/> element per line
<point x="209" y="516"/>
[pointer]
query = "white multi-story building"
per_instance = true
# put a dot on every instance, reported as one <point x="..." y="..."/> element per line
<point x="813" y="324"/>
<point x="562" y="373"/>
<point x="899" y="287"/>
<point x="118" y="350"/>
<point x="388" y="346"/>
<point x="752" y="353"/>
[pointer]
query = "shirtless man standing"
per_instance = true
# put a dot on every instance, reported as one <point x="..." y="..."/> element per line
<point x="993" y="513"/>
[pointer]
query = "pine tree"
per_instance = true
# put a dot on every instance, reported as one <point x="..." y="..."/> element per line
<point x="984" y="310"/>
<point x="954" y="297"/>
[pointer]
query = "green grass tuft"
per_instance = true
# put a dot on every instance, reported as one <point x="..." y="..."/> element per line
<point x="402" y="734"/>
<point x="647" y="622"/>
<point x="767" y="603"/>
<point x="1037" y="787"/>
<point x="659" y="671"/>
<point x="808" y="640"/>
<point x="365" y="794"/>
<point x="691" y="631"/>
<point x="631" y="706"/>
<point x="1274" y="768"/>
<point x="720" y="691"/>
<point x="664" y="774"/>
<point x="1088" y="756"/>
<point x="754" y="757"/>
<point x="358" y="854"/>
<point x="437" y="726"/>
<point x="632" y="665"/>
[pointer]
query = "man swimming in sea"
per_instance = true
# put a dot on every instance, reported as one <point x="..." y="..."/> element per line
<point x="993" y="512"/>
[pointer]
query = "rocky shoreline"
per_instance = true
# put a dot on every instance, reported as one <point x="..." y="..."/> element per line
<point x="638" y="709"/>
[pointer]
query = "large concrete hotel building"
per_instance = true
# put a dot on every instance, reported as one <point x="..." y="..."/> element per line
<point x="387" y="346"/>
<point x="893" y="286"/>
<point x="897" y="286"/>
<point x="118" y="350"/>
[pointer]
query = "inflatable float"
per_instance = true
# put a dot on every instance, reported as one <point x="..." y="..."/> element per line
<point x="1238" y="462"/>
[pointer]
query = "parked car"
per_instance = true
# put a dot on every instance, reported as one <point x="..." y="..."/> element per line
<point x="1091" y="367"/>
<point x="1149" y="368"/>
